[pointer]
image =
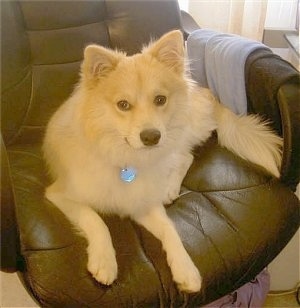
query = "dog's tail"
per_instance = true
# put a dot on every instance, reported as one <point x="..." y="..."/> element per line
<point x="250" y="138"/>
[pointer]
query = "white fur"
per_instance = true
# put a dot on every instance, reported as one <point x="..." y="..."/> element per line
<point x="89" y="140"/>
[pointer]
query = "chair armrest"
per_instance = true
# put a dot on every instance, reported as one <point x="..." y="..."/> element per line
<point x="9" y="231"/>
<point x="288" y="100"/>
<point x="188" y="24"/>
<point x="272" y="87"/>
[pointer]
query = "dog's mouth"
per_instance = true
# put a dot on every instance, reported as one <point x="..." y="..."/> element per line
<point x="142" y="146"/>
<point x="126" y="140"/>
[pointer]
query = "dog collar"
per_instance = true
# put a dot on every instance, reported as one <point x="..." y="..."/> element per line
<point x="128" y="174"/>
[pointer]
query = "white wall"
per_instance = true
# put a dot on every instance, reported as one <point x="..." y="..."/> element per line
<point x="285" y="269"/>
<point x="281" y="14"/>
<point x="246" y="18"/>
<point x="213" y="14"/>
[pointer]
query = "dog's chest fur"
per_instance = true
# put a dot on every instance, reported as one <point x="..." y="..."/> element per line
<point x="98" y="183"/>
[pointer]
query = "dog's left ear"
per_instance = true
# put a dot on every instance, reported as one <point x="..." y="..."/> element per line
<point x="169" y="49"/>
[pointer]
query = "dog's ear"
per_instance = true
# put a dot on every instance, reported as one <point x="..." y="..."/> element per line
<point x="99" y="61"/>
<point x="169" y="49"/>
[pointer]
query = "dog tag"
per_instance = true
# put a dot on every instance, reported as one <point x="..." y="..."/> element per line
<point x="128" y="174"/>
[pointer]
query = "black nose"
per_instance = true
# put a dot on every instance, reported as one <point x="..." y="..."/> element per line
<point x="150" y="136"/>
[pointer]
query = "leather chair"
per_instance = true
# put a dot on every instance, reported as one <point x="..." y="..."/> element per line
<point x="235" y="218"/>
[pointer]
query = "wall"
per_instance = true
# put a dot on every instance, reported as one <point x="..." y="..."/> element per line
<point x="251" y="16"/>
<point x="281" y="14"/>
<point x="285" y="269"/>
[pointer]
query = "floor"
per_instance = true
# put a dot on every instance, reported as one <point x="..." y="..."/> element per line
<point x="282" y="301"/>
<point x="13" y="294"/>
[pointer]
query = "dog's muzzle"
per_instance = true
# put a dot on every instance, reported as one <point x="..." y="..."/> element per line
<point x="150" y="137"/>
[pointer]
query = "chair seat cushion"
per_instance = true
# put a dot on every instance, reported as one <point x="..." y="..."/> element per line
<point x="233" y="219"/>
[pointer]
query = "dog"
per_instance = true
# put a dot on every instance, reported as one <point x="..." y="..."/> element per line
<point x="121" y="144"/>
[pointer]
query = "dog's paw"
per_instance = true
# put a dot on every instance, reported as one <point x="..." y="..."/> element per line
<point x="102" y="265"/>
<point x="187" y="277"/>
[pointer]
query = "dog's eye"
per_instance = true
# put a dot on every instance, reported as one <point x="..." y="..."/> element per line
<point x="124" y="105"/>
<point x="160" y="100"/>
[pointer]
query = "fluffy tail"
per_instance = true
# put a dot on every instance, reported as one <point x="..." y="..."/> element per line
<point x="250" y="138"/>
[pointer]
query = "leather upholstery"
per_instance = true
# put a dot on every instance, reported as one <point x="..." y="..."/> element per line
<point x="288" y="99"/>
<point x="10" y="249"/>
<point x="48" y="40"/>
<point x="273" y="91"/>
<point x="233" y="218"/>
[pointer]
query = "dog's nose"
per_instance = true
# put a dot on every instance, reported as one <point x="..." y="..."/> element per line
<point x="150" y="136"/>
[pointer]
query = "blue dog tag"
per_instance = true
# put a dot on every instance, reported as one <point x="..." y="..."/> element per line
<point x="128" y="174"/>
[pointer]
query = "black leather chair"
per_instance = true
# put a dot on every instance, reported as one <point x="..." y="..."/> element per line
<point x="233" y="222"/>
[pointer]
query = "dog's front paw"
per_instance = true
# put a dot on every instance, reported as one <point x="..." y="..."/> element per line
<point x="102" y="264"/>
<point x="187" y="277"/>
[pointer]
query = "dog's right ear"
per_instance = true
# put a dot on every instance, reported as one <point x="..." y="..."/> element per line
<point x="99" y="61"/>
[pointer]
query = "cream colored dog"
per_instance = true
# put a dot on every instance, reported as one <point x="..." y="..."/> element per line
<point x="121" y="144"/>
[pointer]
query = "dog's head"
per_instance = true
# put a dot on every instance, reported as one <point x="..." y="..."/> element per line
<point x="137" y="99"/>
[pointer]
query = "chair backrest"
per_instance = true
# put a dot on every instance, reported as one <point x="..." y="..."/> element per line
<point x="42" y="47"/>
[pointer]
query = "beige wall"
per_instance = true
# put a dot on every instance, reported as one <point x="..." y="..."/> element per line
<point x="246" y="18"/>
<point x="285" y="269"/>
